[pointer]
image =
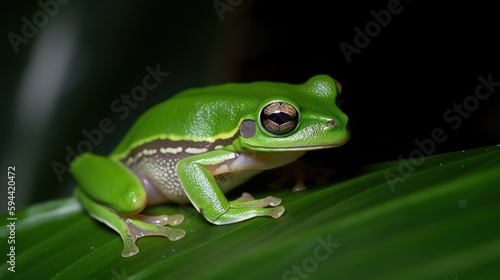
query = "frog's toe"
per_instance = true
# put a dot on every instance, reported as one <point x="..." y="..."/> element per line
<point x="247" y="201"/>
<point x="129" y="248"/>
<point x="272" y="201"/>
<point x="245" y="197"/>
<point x="276" y="212"/>
<point x="238" y="214"/>
<point x="245" y="209"/>
<point x="138" y="229"/>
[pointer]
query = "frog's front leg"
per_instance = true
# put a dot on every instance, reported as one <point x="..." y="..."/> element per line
<point x="197" y="173"/>
<point x="112" y="194"/>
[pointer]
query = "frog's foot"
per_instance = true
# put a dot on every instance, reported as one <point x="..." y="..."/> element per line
<point x="247" y="207"/>
<point x="138" y="225"/>
<point x="134" y="226"/>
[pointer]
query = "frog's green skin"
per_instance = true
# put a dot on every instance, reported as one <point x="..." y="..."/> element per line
<point x="202" y="143"/>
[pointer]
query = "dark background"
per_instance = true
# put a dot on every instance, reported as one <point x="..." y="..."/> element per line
<point x="64" y="78"/>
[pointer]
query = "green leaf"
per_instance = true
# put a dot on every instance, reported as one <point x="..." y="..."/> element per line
<point x="438" y="220"/>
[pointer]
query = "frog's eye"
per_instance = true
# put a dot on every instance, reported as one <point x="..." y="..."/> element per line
<point x="279" y="118"/>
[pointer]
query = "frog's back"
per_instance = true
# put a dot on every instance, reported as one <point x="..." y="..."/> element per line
<point x="197" y="115"/>
<point x="205" y="114"/>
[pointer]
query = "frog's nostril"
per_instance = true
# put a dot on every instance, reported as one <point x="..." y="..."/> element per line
<point x="330" y="124"/>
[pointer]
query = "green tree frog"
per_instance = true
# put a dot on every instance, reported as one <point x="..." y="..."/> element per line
<point x="201" y="143"/>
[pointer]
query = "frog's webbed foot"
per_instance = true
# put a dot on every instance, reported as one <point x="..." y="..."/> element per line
<point x="138" y="225"/>
<point x="247" y="206"/>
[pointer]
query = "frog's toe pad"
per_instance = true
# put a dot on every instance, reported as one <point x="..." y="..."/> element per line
<point x="273" y="201"/>
<point x="277" y="212"/>
<point x="129" y="248"/>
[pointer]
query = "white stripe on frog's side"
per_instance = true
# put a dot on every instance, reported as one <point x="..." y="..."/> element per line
<point x="150" y="152"/>
<point x="196" y="150"/>
<point x="171" y="150"/>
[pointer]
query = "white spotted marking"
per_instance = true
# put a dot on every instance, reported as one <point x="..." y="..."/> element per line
<point x="196" y="150"/>
<point x="171" y="150"/>
<point x="149" y="152"/>
<point x="134" y="159"/>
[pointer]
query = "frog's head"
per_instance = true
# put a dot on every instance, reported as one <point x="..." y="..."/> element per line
<point x="297" y="117"/>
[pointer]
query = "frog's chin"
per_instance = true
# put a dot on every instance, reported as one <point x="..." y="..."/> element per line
<point x="318" y="146"/>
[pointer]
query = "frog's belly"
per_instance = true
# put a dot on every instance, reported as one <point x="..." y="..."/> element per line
<point x="159" y="177"/>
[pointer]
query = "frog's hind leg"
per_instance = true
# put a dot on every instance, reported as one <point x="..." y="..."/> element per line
<point x="112" y="194"/>
<point x="132" y="227"/>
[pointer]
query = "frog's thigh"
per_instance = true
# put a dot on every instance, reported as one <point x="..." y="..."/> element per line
<point x="109" y="183"/>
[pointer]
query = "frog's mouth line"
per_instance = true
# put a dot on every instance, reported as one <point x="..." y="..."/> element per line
<point x="301" y="148"/>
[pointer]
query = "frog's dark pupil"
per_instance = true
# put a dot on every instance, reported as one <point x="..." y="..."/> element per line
<point x="280" y="117"/>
